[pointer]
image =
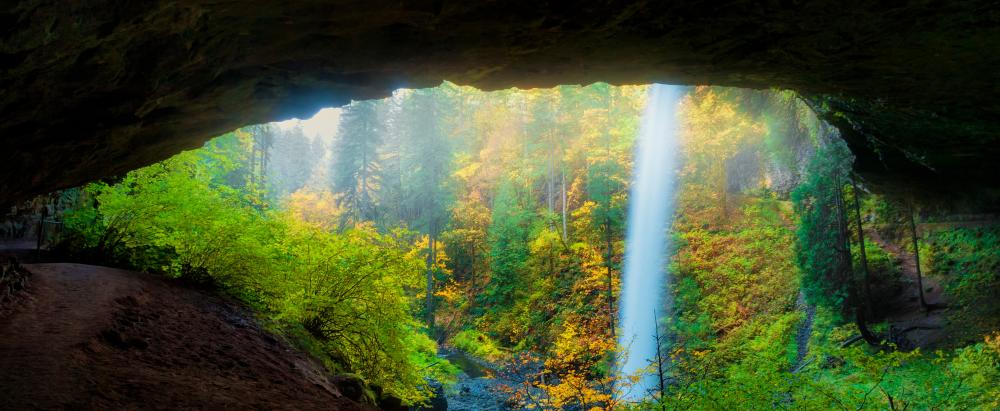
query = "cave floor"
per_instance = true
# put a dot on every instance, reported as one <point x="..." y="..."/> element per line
<point x="91" y="337"/>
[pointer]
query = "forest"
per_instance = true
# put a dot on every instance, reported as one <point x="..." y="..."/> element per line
<point x="470" y="245"/>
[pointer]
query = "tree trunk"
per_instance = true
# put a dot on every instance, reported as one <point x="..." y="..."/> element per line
<point x="861" y="246"/>
<point x="552" y="263"/>
<point x="564" y="237"/>
<point x="41" y="231"/>
<point x="550" y="184"/>
<point x="472" y="279"/>
<point x="659" y="361"/>
<point x="253" y="162"/>
<point x="916" y="257"/>
<point x="724" y="193"/>
<point x="843" y="237"/>
<point x="429" y="303"/>
<point x="862" y="322"/>
<point x="846" y="262"/>
<point x="607" y="265"/>
<point x="607" y="221"/>
<point x="364" y="185"/>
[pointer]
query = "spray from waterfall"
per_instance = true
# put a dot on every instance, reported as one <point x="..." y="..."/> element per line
<point x="650" y="212"/>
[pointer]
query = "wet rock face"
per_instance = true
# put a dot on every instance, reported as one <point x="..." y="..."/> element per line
<point x="93" y="89"/>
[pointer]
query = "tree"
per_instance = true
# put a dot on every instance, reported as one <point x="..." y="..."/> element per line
<point x="356" y="165"/>
<point x="319" y="209"/>
<point x="466" y="241"/>
<point x="292" y="158"/>
<point x="347" y="290"/>
<point x="425" y="174"/>
<point x="867" y="303"/>
<point x="508" y="238"/>
<point x="607" y="187"/>
<point x="823" y="242"/>
<point x="916" y="256"/>
<point x="262" y="139"/>
<point x="392" y="193"/>
<point x="542" y="128"/>
<point x="713" y="131"/>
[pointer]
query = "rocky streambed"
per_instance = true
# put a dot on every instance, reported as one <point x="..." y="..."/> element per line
<point x="478" y="387"/>
<point x="485" y="386"/>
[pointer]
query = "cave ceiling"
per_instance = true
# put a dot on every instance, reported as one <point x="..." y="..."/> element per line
<point x="91" y="89"/>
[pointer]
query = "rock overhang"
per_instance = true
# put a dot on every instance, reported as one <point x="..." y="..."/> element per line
<point x="95" y="89"/>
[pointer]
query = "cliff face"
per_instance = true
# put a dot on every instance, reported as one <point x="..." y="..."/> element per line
<point x="92" y="89"/>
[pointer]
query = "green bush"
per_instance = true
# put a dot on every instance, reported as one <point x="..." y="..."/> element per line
<point x="882" y="265"/>
<point x="477" y="344"/>
<point x="346" y="290"/>
<point x="969" y="259"/>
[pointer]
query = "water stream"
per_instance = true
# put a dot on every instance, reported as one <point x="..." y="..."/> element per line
<point x="643" y="297"/>
<point x="477" y="388"/>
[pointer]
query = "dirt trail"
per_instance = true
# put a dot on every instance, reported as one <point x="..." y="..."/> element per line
<point x="89" y="337"/>
<point x="905" y="310"/>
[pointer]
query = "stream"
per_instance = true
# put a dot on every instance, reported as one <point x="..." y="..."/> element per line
<point x="476" y="389"/>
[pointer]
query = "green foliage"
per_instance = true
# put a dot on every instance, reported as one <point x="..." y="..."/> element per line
<point x="356" y="166"/>
<point x="525" y="191"/>
<point x="292" y="160"/>
<point x="477" y="344"/>
<point x="744" y="370"/>
<point x="423" y="357"/>
<point x="966" y="260"/>
<point x="969" y="258"/>
<point x="741" y="274"/>
<point x="346" y="290"/>
<point x="819" y="206"/>
<point x="881" y="264"/>
<point x="751" y="371"/>
<point x="508" y="236"/>
<point x="862" y="378"/>
<point x="426" y="158"/>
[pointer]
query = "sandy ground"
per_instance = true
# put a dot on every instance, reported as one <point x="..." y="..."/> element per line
<point x="89" y="337"/>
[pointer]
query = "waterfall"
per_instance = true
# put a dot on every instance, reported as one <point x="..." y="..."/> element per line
<point x="649" y="216"/>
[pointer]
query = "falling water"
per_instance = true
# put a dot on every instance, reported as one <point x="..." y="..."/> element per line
<point x="650" y="212"/>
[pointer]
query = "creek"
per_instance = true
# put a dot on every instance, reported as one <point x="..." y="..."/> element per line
<point x="476" y="389"/>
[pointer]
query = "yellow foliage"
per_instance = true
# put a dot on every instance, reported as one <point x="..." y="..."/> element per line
<point x="450" y="292"/>
<point x="713" y="132"/>
<point x="421" y="248"/>
<point x="993" y="342"/>
<point x="318" y="209"/>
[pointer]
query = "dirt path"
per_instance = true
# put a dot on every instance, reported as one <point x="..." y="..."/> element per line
<point x="88" y="337"/>
<point x="905" y="310"/>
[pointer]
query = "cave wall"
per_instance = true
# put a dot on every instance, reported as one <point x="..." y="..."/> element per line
<point x="90" y="89"/>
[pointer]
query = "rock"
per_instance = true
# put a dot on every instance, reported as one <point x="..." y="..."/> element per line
<point x="114" y="338"/>
<point x="93" y="89"/>
<point x="351" y="387"/>
<point x="13" y="278"/>
<point x="391" y="403"/>
<point x="137" y="343"/>
<point x="385" y="401"/>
